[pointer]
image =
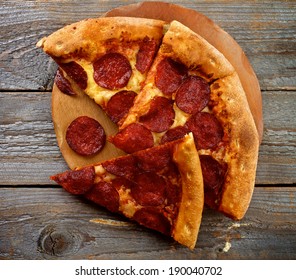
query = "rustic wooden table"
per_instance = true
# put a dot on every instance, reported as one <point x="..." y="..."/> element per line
<point x="38" y="220"/>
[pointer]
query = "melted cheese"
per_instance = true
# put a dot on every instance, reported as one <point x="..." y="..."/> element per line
<point x="127" y="204"/>
<point x="101" y="95"/>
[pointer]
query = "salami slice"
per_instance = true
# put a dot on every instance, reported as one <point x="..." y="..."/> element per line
<point x="76" y="73"/>
<point x="104" y="194"/>
<point x="133" y="138"/>
<point x="193" y="95"/>
<point x="122" y="166"/>
<point x="153" y="159"/>
<point x="169" y="76"/>
<point x="63" y="84"/>
<point x="160" y="115"/>
<point x="206" y="129"/>
<point x="174" y="134"/>
<point x="119" y="105"/>
<point x="112" y="71"/>
<point x="85" y="136"/>
<point x="76" y="181"/>
<point x="146" y="54"/>
<point x="149" y="189"/>
<point x="213" y="176"/>
<point x="153" y="219"/>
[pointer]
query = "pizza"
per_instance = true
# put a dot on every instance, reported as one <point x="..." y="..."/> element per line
<point x="108" y="58"/>
<point x="192" y="87"/>
<point x="160" y="188"/>
<point x="159" y="82"/>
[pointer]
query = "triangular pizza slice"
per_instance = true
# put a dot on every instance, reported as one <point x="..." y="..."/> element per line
<point x="160" y="188"/>
<point x="191" y="87"/>
<point x="108" y="58"/>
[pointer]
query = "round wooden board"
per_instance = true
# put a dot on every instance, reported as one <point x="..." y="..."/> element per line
<point x="66" y="108"/>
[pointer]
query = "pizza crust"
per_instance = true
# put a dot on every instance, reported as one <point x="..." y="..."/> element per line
<point x="242" y="148"/>
<point x="195" y="52"/>
<point x="190" y="212"/>
<point x="88" y="37"/>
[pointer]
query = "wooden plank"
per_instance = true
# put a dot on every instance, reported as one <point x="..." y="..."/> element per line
<point x="48" y="223"/>
<point x="28" y="144"/>
<point x="266" y="33"/>
<point x="277" y="156"/>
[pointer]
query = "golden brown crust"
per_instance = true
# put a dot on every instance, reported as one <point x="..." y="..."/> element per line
<point x="88" y="37"/>
<point x="243" y="143"/>
<point x="184" y="45"/>
<point x="190" y="212"/>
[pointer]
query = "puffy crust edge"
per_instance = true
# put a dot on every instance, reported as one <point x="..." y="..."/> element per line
<point x="242" y="153"/>
<point x="188" y="221"/>
<point x="197" y="54"/>
<point x="88" y="35"/>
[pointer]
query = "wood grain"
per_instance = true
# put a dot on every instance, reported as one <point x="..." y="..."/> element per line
<point x="39" y="220"/>
<point x="29" y="146"/>
<point x="40" y="224"/>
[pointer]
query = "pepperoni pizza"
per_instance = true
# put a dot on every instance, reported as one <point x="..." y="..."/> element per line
<point x="192" y="87"/>
<point x="160" y="188"/>
<point x="160" y="82"/>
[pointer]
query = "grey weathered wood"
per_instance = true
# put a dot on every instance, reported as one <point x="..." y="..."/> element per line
<point x="28" y="143"/>
<point x="39" y="220"/>
<point x="265" y="30"/>
<point x="40" y="223"/>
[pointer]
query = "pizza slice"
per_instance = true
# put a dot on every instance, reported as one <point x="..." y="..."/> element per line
<point x="108" y="58"/>
<point x="160" y="188"/>
<point x="192" y="87"/>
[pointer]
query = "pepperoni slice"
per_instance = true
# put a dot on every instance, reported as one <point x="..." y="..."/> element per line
<point x="206" y="129"/>
<point x="154" y="159"/>
<point x="76" y="181"/>
<point x="169" y="76"/>
<point x="160" y="115"/>
<point x="122" y="166"/>
<point x="85" y="136"/>
<point x="213" y="176"/>
<point x="133" y="138"/>
<point x="119" y="105"/>
<point x="146" y="54"/>
<point x="76" y="73"/>
<point x="119" y="182"/>
<point x="173" y="193"/>
<point x="104" y="194"/>
<point x="193" y="95"/>
<point x="112" y="71"/>
<point x="149" y="189"/>
<point x="153" y="219"/>
<point x="63" y="84"/>
<point x="175" y="133"/>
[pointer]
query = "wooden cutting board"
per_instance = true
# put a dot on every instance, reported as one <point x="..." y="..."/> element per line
<point x="66" y="108"/>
